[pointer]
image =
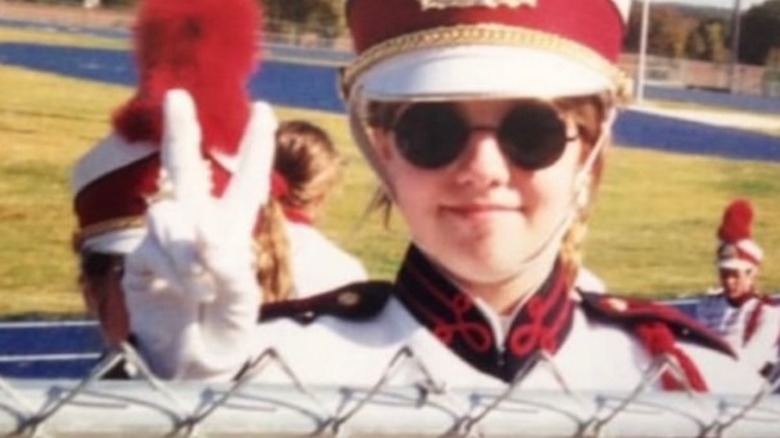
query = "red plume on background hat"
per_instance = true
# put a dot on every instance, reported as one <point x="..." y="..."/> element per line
<point x="208" y="47"/>
<point x="736" y="249"/>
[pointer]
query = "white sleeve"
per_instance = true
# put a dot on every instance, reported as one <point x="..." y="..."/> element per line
<point x="723" y="374"/>
<point x="762" y="348"/>
<point x="318" y="264"/>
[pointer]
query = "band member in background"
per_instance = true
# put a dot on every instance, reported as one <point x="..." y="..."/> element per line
<point x="487" y="123"/>
<point x="737" y="311"/>
<point x="176" y="44"/>
<point x="296" y="259"/>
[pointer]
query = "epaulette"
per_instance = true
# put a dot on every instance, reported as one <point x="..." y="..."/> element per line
<point x="634" y="312"/>
<point x="355" y="301"/>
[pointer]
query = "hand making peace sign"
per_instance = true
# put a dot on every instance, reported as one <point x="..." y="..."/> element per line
<point x="190" y="286"/>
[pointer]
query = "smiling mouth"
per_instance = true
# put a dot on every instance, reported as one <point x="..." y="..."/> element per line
<point x="479" y="209"/>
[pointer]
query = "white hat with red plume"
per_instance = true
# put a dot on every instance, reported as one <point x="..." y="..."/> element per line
<point x="736" y="247"/>
<point x="210" y="49"/>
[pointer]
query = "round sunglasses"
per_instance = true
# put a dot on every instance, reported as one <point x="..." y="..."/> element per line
<point x="432" y="135"/>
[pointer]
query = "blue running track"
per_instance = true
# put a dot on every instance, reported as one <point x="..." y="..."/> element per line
<point x="312" y="86"/>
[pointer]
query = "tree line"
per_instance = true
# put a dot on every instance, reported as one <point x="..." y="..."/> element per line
<point x="677" y="31"/>
<point x="674" y="31"/>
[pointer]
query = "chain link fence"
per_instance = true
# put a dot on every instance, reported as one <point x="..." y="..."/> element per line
<point x="149" y="407"/>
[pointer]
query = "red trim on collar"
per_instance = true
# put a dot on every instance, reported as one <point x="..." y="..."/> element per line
<point x="542" y="324"/>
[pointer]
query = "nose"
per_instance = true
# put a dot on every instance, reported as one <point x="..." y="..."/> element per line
<point x="482" y="163"/>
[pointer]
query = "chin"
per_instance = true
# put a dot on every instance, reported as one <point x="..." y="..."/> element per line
<point x="483" y="269"/>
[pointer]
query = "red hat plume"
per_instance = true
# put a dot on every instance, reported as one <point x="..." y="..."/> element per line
<point x="209" y="48"/>
<point x="737" y="221"/>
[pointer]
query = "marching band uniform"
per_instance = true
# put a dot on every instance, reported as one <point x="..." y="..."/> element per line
<point x="596" y="341"/>
<point x="749" y="323"/>
<point x="751" y="326"/>
<point x="318" y="264"/>
<point x="349" y="336"/>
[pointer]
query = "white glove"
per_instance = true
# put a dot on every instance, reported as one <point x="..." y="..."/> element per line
<point x="190" y="286"/>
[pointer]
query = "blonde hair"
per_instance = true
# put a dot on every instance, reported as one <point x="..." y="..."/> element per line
<point x="274" y="272"/>
<point x="309" y="162"/>
<point x="589" y="113"/>
<point x="310" y="166"/>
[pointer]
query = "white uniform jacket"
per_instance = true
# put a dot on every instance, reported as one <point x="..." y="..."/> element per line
<point x="751" y="327"/>
<point x="597" y="342"/>
<point x="317" y="263"/>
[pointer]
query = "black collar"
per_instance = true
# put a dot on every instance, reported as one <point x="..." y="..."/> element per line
<point x="542" y="324"/>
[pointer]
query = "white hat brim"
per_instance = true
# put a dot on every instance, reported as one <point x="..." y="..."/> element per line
<point x="736" y="264"/>
<point x="480" y="71"/>
<point x="122" y="241"/>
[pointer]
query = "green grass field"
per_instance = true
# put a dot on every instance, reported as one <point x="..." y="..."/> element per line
<point x="652" y="233"/>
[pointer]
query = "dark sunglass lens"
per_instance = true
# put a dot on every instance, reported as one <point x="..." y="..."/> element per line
<point x="430" y="135"/>
<point x="533" y="136"/>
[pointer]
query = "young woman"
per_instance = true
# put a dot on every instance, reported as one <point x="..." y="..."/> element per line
<point x="487" y="122"/>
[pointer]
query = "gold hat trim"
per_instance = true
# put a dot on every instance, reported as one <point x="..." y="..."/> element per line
<point x="105" y="227"/>
<point x="491" y="34"/>
<point x="444" y="4"/>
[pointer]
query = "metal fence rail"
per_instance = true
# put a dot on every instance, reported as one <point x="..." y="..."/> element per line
<point x="150" y="408"/>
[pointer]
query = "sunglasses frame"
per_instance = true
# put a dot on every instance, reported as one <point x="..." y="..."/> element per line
<point x="444" y="129"/>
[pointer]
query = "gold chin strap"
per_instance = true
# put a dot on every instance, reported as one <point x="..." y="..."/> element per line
<point x="584" y="175"/>
<point x="580" y="187"/>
